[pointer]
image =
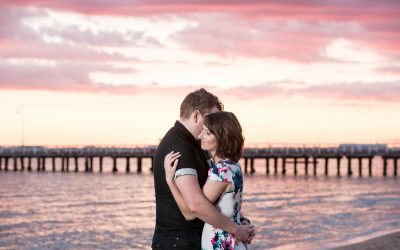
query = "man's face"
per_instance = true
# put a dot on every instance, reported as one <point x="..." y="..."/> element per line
<point x="200" y="122"/>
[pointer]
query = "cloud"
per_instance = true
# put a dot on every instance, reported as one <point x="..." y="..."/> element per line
<point x="390" y="69"/>
<point x="60" y="76"/>
<point x="356" y="91"/>
<point x="75" y="77"/>
<point x="379" y="91"/>
<point x="290" y="30"/>
<point x="34" y="34"/>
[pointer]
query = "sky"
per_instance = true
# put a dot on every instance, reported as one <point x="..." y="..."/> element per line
<point x="113" y="73"/>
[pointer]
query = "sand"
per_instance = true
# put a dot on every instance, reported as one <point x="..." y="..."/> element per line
<point x="386" y="242"/>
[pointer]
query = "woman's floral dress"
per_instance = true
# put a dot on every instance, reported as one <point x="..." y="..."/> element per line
<point x="229" y="204"/>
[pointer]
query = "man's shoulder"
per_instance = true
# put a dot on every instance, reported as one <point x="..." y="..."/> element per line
<point x="175" y="142"/>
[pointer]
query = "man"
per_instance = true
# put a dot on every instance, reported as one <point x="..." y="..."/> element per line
<point x="172" y="231"/>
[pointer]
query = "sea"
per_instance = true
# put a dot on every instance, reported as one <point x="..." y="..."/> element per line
<point x="78" y="210"/>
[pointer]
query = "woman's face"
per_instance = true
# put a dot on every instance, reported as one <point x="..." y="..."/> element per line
<point x="208" y="140"/>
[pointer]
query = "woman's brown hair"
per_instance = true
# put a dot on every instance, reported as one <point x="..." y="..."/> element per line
<point x="226" y="128"/>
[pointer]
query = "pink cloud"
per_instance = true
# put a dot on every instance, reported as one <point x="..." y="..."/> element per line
<point x="62" y="76"/>
<point x="391" y="69"/>
<point x="295" y="30"/>
<point x="18" y="40"/>
<point x="379" y="91"/>
<point x="356" y="91"/>
<point x="291" y="30"/>
<point x="74" y="77"/>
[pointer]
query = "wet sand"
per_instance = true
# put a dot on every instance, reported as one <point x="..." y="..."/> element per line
<point x="386" y="242"/>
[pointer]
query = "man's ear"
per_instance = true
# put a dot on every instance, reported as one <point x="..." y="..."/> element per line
<point x="196" y="115"/>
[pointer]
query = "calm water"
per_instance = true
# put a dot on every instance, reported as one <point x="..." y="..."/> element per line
<point x="117" y="211"/>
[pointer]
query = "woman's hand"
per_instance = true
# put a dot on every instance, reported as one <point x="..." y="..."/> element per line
<point x="170" y="162"/>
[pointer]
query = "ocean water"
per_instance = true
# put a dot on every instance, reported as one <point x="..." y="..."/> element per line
<point x="46" y="210"/>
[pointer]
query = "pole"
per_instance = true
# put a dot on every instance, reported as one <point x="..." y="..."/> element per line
<point x="20" y="110"/>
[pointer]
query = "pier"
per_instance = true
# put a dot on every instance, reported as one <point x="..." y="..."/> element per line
<point x="21" y="158"/>
<point x="310" y="156"/>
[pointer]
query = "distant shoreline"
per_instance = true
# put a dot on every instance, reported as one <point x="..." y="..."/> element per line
<point x="385" y="242"/>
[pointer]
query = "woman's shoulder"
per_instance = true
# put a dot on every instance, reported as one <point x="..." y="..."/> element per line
<point x="227" y="164"/>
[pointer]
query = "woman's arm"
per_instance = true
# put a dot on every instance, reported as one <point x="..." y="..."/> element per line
<point x="170" y="163"/>
<point x="216" y="184"/>
<point x="213" y="189"/>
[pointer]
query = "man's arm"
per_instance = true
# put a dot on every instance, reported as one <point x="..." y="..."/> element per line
<point x="201" y="207"/>
<point x="179" y="200"/>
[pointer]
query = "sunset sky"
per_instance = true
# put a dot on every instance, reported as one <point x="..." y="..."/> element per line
<point x="115" y="72"/>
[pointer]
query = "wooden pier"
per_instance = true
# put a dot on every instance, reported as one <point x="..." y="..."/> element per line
<point x="311" y="156"/>
<point x="21" y="158"/>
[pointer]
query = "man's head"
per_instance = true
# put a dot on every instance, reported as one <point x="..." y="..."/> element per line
<point x="195" y="106"/>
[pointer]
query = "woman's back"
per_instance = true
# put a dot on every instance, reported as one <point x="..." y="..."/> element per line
<point x="229" y="203"/>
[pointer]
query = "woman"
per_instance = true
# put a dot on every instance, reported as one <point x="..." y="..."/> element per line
<point x="222" y="137"/>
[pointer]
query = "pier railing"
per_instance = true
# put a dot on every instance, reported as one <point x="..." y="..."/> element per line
<point x="20" y="158"/>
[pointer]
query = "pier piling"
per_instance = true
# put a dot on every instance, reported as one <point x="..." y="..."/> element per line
<point x="384" y="166"/>
<point x="29" y="164"/>
<point x="76" y="164"/>
<point x="22" y="163"/>
<point x="128" y="168"/>
<point x="252" y="170"/>
<point x="370" y="166"/>
<point x="15" y="163"/>
<point x="101" y="164"/>
<point x="43" y="164"/>
<point x="115" y="165"/>
<point x="349" y="171"/>
<point x="6" y="164"/>
<point x="139" y="165"/>
<point x="22" y="157"/>
<point x="315" y="165"/>
<point x="306" y="165"/>
<point x="284" y="166"/>
<point x="326" y="166"/>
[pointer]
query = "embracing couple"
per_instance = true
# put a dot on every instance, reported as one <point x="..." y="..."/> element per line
<point x="199" y="188"/>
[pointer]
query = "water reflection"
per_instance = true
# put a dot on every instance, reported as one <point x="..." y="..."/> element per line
<point x="104" y="211"/>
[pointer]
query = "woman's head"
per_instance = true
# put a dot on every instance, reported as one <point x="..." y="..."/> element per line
<point x="222" y="134"/>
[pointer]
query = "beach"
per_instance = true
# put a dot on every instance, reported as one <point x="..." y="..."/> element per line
<point x="385" y="242"/>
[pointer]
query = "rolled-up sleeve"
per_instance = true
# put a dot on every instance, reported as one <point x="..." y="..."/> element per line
<point x="185" y="171"/>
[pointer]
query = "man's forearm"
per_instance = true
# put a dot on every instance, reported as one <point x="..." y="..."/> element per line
<point x="200" y="206"/>
<point x="208" y="213"/>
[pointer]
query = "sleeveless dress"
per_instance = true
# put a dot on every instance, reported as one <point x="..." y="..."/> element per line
<point x="229" y="204"/>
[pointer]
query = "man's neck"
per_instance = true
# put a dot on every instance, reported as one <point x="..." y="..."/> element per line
<point x="187" y="125"/>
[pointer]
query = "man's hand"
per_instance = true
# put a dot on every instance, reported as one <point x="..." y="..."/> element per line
<point x="245" y="233"/>
<point x="246" y="222"/>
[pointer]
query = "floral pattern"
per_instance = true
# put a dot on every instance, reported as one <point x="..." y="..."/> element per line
<point x="229" y="204"/>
